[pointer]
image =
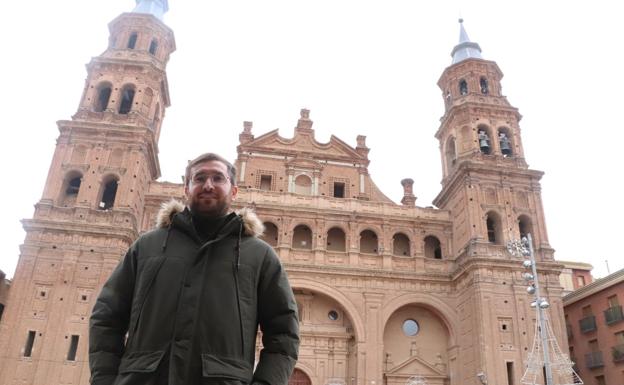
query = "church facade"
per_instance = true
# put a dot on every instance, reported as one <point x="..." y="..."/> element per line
<point x="386" y="292"/>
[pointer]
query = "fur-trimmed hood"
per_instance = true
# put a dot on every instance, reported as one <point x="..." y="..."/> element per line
<point x="252" y="224"/>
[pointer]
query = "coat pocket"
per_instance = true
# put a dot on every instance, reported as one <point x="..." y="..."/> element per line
<point x="141" y="362"/>
<point x="226" y="367"/>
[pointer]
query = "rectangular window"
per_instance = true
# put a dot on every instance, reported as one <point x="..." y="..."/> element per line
<point x="30" y="341"/>
<point x="593" y="346"/>
<point x="73" y="347"/>
<point x="510" y="373"/>
<point x="339" y="190"/>
<point x="613" y="301"/>
<point x="619" y="338"/>
<point x="580" y="281"/>
<point x="265" y="182"/>
<point x="600" y="380"/>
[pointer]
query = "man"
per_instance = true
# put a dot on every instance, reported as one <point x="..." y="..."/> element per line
<point x="184" y="305"/>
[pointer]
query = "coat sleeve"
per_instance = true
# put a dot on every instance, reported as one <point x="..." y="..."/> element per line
<point x="277" y="313"/>
<point x="109" y="321"/>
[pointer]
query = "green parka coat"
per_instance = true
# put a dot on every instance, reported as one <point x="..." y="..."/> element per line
<point x="179" y="312"/>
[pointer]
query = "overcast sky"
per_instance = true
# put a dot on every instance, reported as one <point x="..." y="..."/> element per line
<point x="362" y="67"/>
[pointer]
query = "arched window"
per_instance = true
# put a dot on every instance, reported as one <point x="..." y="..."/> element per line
<point x="302" y="237"/>
<point x="401" y="245"/>
<point x="525" y="226"/>
<point x="132" y="40"/>
<point x="153" y="47"/>
<point x="451" y="152"/>
<point x="484" y="137"/>
<point x="504" y="140"/>
<point x="303" y="185"/>
<point x="483" y="85"/>
<point x="270" y="234"/>
<point x="463" y="87"/>
<point x="368" y="242"/>
<point x="70" y="189"/>
<point x="432" y="247"/>
<point x="73" y="186"/>
<point x="127" y="97"/>
<point x="336" y="239"/>
<point x="102" y="97"/>
<point x="494" y="230"/>
<point x="108" y="193"/>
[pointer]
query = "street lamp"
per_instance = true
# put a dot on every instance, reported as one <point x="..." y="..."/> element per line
<point x="552" y="359"/>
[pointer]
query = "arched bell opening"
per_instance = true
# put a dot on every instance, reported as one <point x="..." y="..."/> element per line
<point x="505" y="141"/>
<point x="484" y="138"/>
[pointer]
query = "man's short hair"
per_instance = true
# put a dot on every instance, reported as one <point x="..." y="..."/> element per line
<point x="207" y="157"/>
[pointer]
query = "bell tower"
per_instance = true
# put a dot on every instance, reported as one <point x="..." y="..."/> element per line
<point x="487" y="185"/>
<point x="92" y="203"/>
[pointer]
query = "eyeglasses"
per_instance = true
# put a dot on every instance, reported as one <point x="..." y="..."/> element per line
<point x="215" y="179"/>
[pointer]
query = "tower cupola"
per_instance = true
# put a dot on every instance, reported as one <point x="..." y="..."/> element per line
<point x="158" y="8"/>
<point x="465" y="49"/>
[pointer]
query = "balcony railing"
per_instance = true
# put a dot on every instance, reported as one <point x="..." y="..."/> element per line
<point x="594" y="360"/>
<point x="618" y="353"/>
<point x="588" y="324"/>
<point x="613" y="315"/>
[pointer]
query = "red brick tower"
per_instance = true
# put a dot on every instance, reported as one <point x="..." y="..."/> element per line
<point x="92" y="202"/>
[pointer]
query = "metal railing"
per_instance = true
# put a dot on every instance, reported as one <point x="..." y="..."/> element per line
<point x="588" y="324"/>
<point x="594" y="360"/>
<point x="613" y="314"/>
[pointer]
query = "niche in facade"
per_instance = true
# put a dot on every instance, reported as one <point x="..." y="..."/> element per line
<point x="302" y="237"/>
<point x="270" y="234"/>
<point x="336" y="240"/>
<point x="432" y="247"/>
<point x="368" y="242"/>
<point x="401" y="245"/>
<point x="303" y="185"/>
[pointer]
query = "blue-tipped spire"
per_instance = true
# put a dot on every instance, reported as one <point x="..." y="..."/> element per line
<point x="157" y="8"/>
<point x="465" y="49"/>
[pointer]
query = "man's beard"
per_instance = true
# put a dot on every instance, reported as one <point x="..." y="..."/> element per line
<point x="216" y="209"/>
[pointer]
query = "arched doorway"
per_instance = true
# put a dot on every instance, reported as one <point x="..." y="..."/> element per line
<point x="299" y="378"/>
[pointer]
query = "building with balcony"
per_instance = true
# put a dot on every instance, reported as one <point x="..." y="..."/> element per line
<point x="575" y="275"/>
<point x="595" y="328"/>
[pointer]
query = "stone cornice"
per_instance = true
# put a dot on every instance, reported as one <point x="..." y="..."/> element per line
<point x="458" y="179"/>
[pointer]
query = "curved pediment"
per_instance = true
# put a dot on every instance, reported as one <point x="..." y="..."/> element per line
<point x="303" y="143"/>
